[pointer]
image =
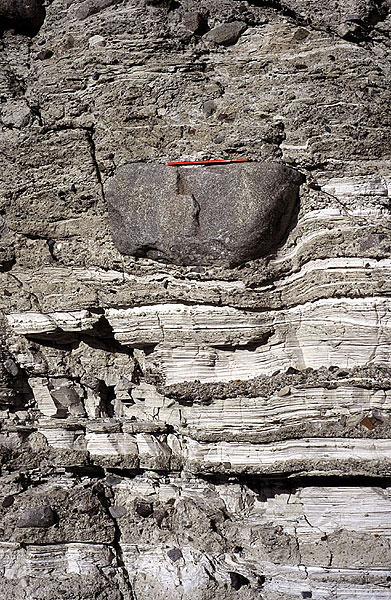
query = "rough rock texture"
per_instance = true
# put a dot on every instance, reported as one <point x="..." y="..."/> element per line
<point x="201" y="215"/>
<point x="195" y="432"/>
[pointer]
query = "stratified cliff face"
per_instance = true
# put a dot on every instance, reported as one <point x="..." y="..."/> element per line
<point x="184" y="415"/>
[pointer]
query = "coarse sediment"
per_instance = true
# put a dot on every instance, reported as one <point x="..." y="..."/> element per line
<point x="195" y="421"/>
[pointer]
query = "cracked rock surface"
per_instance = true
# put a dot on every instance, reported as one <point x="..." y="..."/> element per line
<point x="195" y="383"/>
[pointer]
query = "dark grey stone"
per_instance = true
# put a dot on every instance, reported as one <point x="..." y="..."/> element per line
<point x="7" y="251"/>
<point x="238" y="580"/>
<point x="8" y="501"/>
<point x="40" y="516"/>
<point x="159" y="515"/>
<point x="209" y="107"/>
<point x="112" y="480"/>
<point x="65" y="396"/>
<point x="44" y="54"/>
<point x="143" y="508"/>
<point x="25" y="16"/>
<point x="11" y="367"/>
<point x="203" y="214"/>
<point x="218" y="138"/>
<point x="195" y="22"/>
<point x="91" y="7"/>
<point x="7" y="258"/>
<point x="351" y="31"/>
<point x="226" y="34"/>
<point x="174" y="554"/>
<point x="117" y="511"/>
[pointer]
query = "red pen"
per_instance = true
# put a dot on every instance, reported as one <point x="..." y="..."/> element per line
<point x="208" y="162"/>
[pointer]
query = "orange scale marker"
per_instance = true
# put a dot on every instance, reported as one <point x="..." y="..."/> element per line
<point x="208" y="162"/>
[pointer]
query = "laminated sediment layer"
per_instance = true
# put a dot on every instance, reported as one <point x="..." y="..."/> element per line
<point x="213" y="428"/>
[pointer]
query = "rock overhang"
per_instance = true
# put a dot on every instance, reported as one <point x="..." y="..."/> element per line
<point x="24" y="16"/>
<point x="201" y="214"/>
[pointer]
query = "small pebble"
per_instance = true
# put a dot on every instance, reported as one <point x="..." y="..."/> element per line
<point x="11" y="367"/>
<point x="209" y="107"/>
<point x="195" y="22"/>
<point x="41" y="516"/>
<point x="285" y="391"/>
<point x="113" y="480"/>
<point x="117" y="511"/>
<point x="174" y="554"/>
<point x="352" y="17"/>
<point x="8" y="501"/>
<point x="143" y="508"/>
<point x="159" y="515"/>
<point x="301" y="34"/>
<point x="69" y="42"/>
<point x="96" y="41"/>
<point x="218" y="139"/>
<point x="226" y="34"/>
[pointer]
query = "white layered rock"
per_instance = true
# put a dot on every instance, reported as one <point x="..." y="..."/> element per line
<point x="76" y="559"/>
<point x="158" y="451"/>
<point x="243" y="418"/>
<point x="345" y="332"/>
<point x="208" y="343"/>
<point x="317" y="521"/>
<point x="167" y="322"/>
<point x="358" y="186"/>
<point x="291" y="582"/>
<point x="263" y="458"/>
<point x="30" y="323"/>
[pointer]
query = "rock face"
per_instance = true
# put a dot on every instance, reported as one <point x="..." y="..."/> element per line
<point x="90" y="7"/>
<point x="195" y="431"/>
<point x="26" y="16"/>
<point x="201" y="215"/>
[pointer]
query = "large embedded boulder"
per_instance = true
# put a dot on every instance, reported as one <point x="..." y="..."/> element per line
<point x="201" y="214"/>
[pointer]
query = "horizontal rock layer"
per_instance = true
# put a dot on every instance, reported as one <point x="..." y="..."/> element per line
<point x="259" y="531"/>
